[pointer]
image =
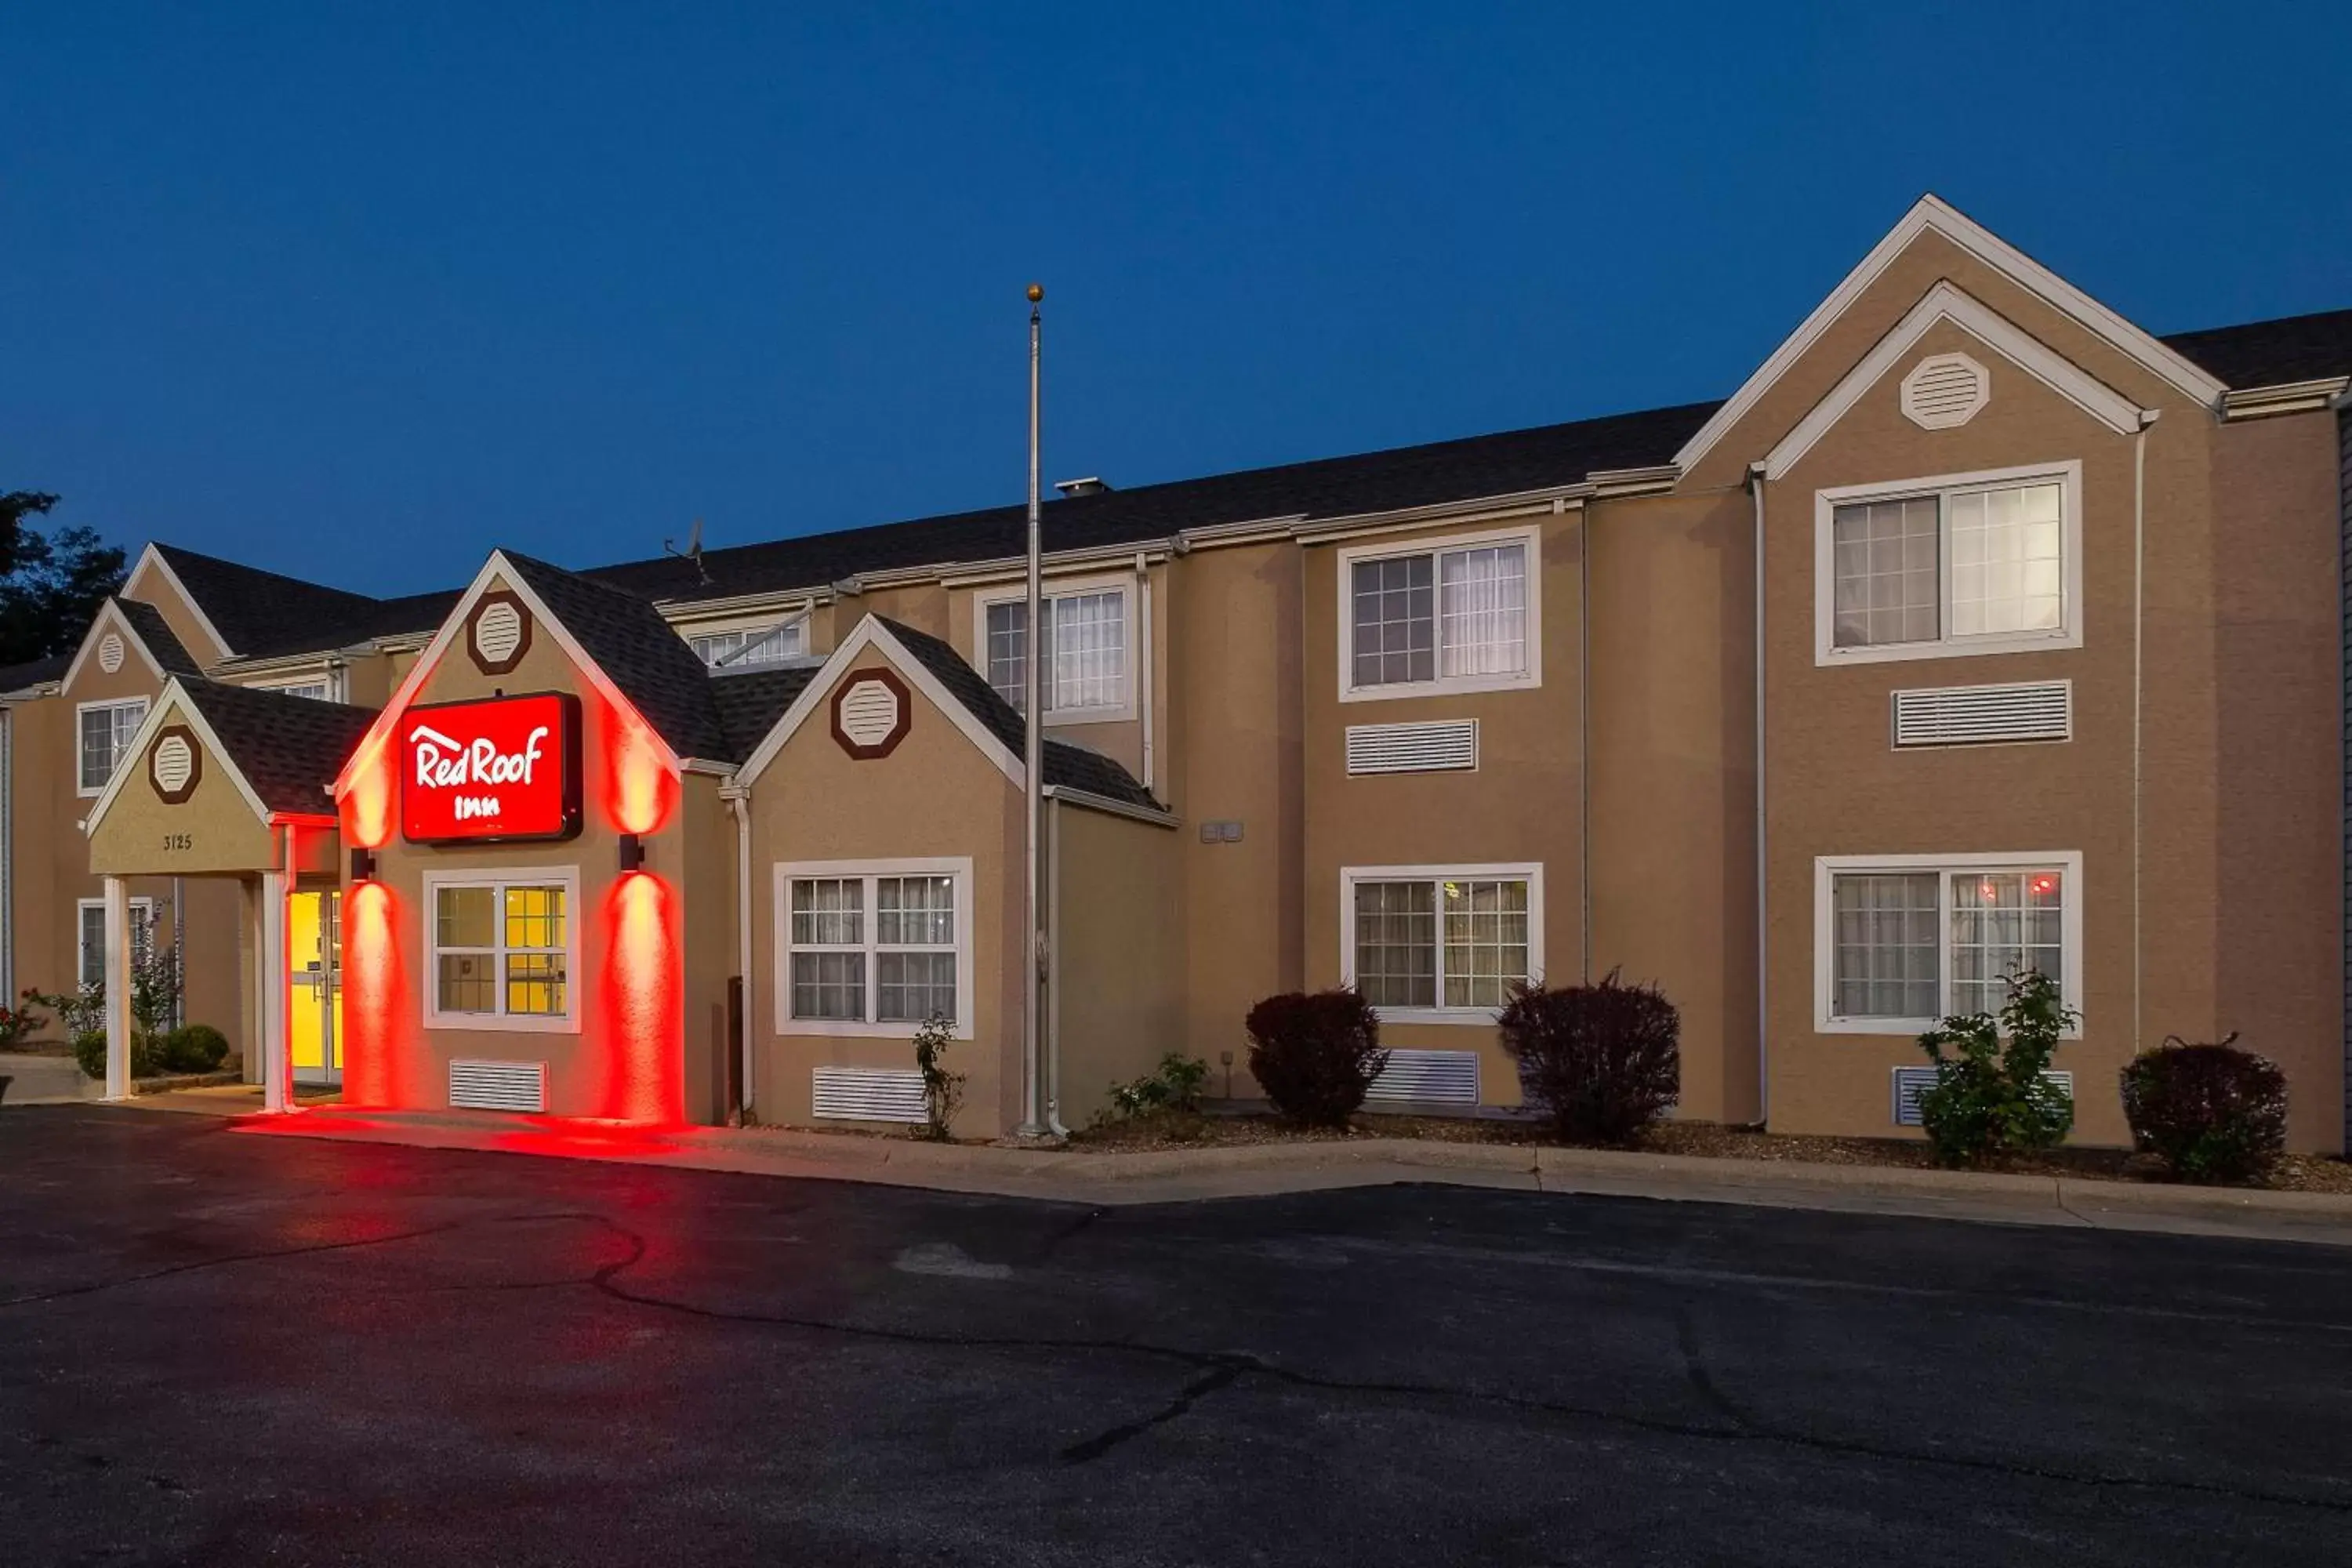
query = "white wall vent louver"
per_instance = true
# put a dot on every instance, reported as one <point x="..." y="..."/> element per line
<point x="109" y="653"/>
<point x="1427" y="1078"/>
<point x="868" y="1094"/>
<point x="1982" y="715"/>
<point x="1910" y="1081"/>
<point x="498" y="1086"/>
<point x="1945" y="390"/>
<point x="1441" y="746"/>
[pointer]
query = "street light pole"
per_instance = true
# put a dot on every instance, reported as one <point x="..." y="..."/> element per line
<point x="1037" y="1118"/>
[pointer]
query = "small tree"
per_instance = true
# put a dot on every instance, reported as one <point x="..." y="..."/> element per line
<point x="1988" y="1101"/>
<point x="1316" y="1054"/>
<point x="1602" y="1061"/>
<point x="943" y="1089"/>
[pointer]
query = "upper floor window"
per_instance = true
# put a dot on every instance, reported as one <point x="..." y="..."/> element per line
<point x="1461" y="616"/>
<point x="106" y="731"/>
<point x="1087" y="672"/>
<point x="747" y="648"/>
<point x="1967" y="563"/>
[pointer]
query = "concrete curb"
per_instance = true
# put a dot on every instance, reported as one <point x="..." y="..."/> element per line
<point x="1258" y="1170"/>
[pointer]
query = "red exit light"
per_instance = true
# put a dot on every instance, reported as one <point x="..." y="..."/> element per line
<point x="491" y="771"/>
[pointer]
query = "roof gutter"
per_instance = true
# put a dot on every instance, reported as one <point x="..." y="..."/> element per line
<point x="1104" y="802"/>
<point x="2288" y="398"/>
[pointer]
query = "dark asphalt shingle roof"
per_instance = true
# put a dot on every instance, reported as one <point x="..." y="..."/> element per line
<point x="750" y="704"/>
<point x="35" y="672"/>
<point x="2272" y="353"/>
<point x="640" y="652"/>
<point x="289" y="749"/>
<point x="1501" y="464"/>
<point x="263" y="613"/>
<point x="160" y="640"/>
<point x="1066" y="766"/>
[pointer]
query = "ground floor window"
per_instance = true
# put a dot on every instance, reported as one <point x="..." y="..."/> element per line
<point x="91" y="946"/>
<point x="1446" y="943"/>
<point x="873" y="947"/>
<point x="1900" y="943"/>
<point x="503" y="949"/>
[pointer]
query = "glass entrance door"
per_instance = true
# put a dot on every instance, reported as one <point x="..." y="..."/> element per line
<point x="314" y="1022"/>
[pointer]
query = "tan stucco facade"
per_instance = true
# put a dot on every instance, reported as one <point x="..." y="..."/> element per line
<point x="2198" y="796"/>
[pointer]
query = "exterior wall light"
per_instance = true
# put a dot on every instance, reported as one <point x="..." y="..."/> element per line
<point x="363" y="864"/>
<point x="633" y="853"/>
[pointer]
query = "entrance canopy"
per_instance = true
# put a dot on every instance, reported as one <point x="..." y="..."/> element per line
<point x="209" y="775"/>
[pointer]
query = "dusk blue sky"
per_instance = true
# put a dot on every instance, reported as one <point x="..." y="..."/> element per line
<point x="360" y="294"/>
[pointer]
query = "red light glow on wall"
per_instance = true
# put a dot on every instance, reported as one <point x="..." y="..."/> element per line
<point x="643" y="1079"/>
<point x="640" y="789"/>
<point x="380" y="1045"/>
<point x="367" y="804"/>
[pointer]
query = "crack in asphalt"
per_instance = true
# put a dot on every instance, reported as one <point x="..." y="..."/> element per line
<point x="1222" y="1370"/>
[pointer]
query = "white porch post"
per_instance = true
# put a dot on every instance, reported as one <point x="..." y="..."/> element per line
<point x="273" y="992"/>
<point x="118" y="989"/>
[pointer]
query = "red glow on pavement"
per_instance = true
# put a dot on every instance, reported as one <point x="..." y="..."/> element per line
<point x="640" y="789"/>
<point x="379" y="1045"/>
<point x="367" y="804"/>
<point x="644" y="1053"/>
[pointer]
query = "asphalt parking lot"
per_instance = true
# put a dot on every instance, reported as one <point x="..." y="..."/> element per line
<point x="218" y="1348"/>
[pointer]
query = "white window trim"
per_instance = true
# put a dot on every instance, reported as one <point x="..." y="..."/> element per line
<point x="331" y="678"/>
<point x="766" y="621"/>
<point x="90" y="792"/>
<point x="1530" y="872"/>
<point x="958" y="867"/>
<point x="1123" y="584"/>
<point x="1437" y="545"/>
<point x="2067" y="863"/>
<point x="565" y="876"/>
<point x="142" y="909"/>
<point x="2069" y="477"/>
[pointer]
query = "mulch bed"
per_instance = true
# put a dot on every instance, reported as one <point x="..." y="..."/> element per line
<point x="1173" y="1129"/>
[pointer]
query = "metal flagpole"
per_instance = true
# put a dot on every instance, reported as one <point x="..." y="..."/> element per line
<point x="1037" y="1110"/>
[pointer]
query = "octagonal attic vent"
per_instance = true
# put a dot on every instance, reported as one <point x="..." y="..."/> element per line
<point x="1945" y="390"/>
<point x="109" y="653"/>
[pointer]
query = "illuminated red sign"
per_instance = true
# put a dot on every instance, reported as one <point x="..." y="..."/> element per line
<point x="490" y="771"/>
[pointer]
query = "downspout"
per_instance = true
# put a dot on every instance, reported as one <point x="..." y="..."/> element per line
<point x="1584" y="726"/>
<point x="2139" y="633"/>
<point x="1763" y="926"/>
<point x="1145" y="692"/>
<point x="737" y="797"/>
<point x="1053" y="972"/>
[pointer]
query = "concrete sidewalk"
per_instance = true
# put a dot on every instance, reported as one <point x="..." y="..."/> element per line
<point x="39" y="1079"/>
<point x="1175" y="1175"/>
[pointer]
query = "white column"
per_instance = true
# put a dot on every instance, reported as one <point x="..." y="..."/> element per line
<point x="273" y="992"/>
<point x="118" y="989"/>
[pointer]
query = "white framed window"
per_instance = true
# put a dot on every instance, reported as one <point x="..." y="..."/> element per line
<point x="1440" y="945"/>
<point x="89" y="938"/>
<point x="752" y="646"/>
<point x="1090" y="627"/>
<point x="873" y="947"/>
<point x="326" y="686"/>
<point x="1961" y="563"/>
<point x="1463" y="614"/>
<point x="503" y="949"/>
<point x="1900" y="942"/>
<point x="104" y="730"/>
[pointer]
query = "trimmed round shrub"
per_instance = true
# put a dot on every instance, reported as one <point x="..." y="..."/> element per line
<point x="194" y="1047"/>
<point x="1600" y="1062"/>
<point x="89" y="1051"/>
<point x="2211" y="1112"/>
<point x="1316" y="1054"/>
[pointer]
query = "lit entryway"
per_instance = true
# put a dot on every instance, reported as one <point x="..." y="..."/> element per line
<point x="314" y="1024"/>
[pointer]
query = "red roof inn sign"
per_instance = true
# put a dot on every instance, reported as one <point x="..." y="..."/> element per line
<point x="491" y="771"/>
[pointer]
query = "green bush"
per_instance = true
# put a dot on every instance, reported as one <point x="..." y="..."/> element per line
<point x="1175" y="1087"/>
<point x="1988" y="1101"/>
<point x="1315" y="1054"/>
<point x="89" y="1050"/>
<point x="2211" y="1112"/>
<point x="194" y="1047"/>
<point x="943" y="1089"/>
